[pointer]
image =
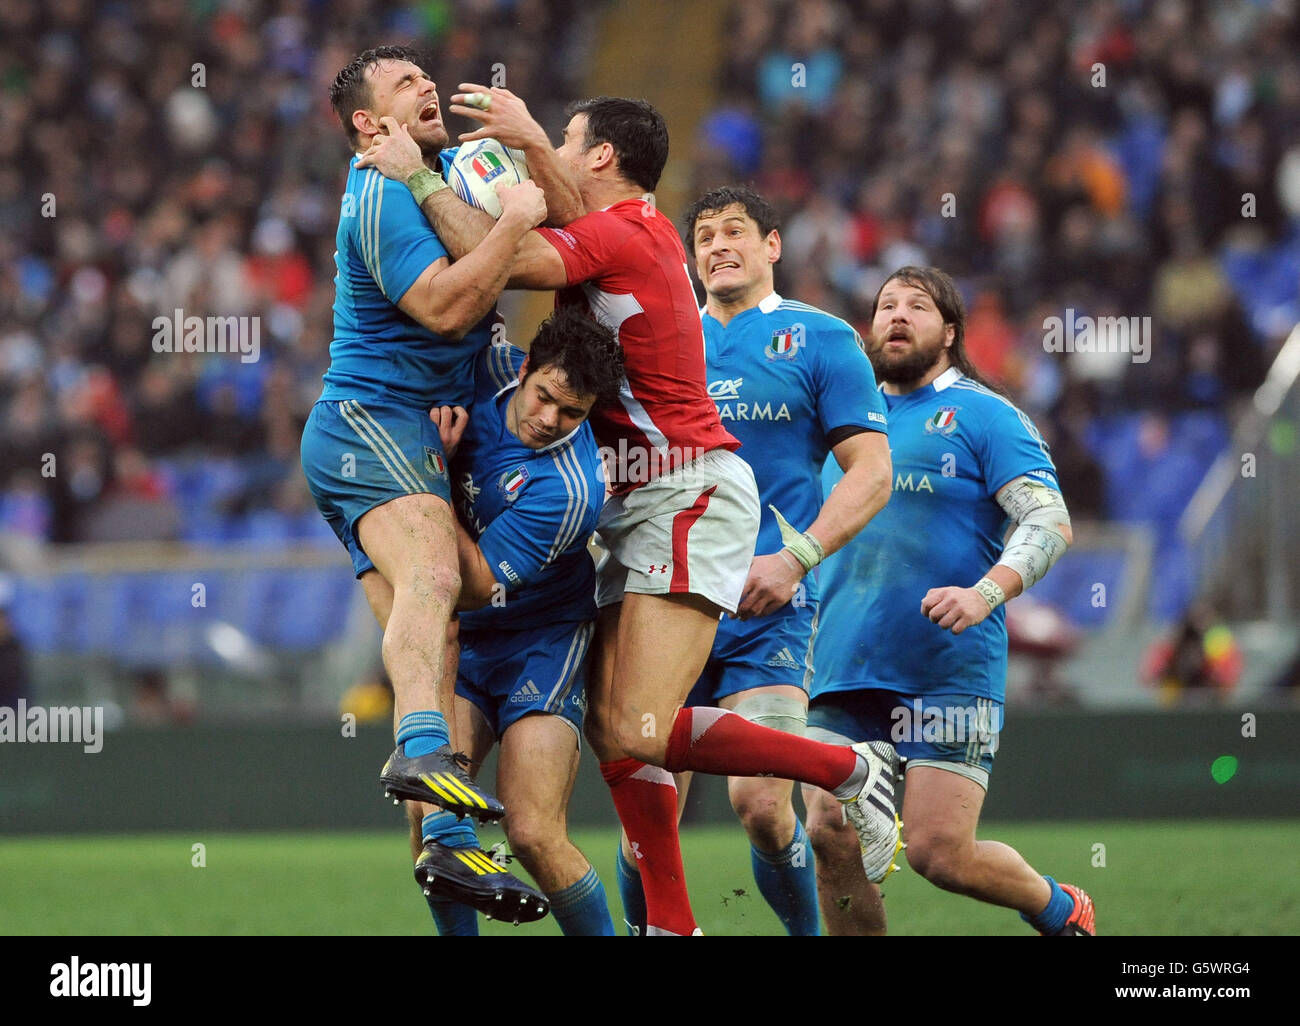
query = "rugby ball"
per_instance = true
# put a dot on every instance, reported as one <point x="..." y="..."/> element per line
<point x="479" y="167"/>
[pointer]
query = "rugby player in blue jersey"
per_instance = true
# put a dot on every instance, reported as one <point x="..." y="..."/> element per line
<point x="407" y="325"/>
<point x="913" y="641"/>
<point x="529" y="488"/>
<point x="793" y="384"/>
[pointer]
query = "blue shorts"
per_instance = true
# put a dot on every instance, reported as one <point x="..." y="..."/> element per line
<point x="512" y="674"/>
<point x="758" y="653"/>
<point x="955" y="731"/>
<point x="357" y="456"/>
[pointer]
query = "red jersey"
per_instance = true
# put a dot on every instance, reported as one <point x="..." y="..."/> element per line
<point x="626" y="265"/>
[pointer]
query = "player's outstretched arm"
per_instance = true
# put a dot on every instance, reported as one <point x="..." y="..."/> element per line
<point x="450" y="300"/>
<point x="1040" y="537"/>
<point x="861" y="494"/>
<point x="505" y="118"/>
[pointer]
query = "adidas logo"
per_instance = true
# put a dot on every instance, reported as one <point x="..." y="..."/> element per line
<point x="477" y="861"/>
<point x="528" y="693"/>
<point x="784" y="659"/>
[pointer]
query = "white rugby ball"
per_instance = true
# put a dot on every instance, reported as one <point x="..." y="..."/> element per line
<point x="479" y="167"/>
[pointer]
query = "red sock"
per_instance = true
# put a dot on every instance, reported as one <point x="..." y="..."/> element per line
<point x="646" y="800"/>
<point x="717" y="741"/>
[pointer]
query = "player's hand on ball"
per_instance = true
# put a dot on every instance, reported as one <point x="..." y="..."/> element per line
<point x="451" y="421"/>
<point x="524" y="203"/>
<point x="504" y="116"/>
<point x="955" y="609"/>
<point x="772" y="582"/>
<point x="393" y="152"/>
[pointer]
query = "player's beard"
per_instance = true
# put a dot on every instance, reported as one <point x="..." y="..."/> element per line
<point x="909" y="366"/>
<point x="431" y="141"/>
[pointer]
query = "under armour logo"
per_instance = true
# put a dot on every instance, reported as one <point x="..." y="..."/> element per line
<point x="661" y="569"/>
<point x="636" y="850"/>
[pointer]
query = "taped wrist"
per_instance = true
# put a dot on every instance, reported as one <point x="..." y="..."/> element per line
<point x="992" y="592"/>
<point x="424" y="183"/>
<point x="800" y="544"/>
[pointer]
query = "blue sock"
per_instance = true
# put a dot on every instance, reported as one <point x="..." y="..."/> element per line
<point x="451" y="917"/>
<point x="633" y="895"/>
<point x="419" y="733"/>
<point x="581" y="908"/>
<point x="788" y="880"/>
<point x="446" y="829"/>
<point x="1059" y="906"/>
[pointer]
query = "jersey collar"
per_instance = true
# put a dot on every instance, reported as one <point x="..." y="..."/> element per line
<point x="945" y="379"/>
<point x="767" y="305"/>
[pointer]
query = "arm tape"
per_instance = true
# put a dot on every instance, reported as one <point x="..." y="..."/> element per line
<point x="1037" y="543"/>
<point x="424" y="183"/>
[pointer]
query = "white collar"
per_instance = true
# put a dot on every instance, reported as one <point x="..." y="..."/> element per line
<point x="945" y="379"/>
<point x="767" y="304"/>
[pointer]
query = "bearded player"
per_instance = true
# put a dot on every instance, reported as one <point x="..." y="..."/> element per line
<point x="793" y="384"/>
<point x="913" y="643"/>
<point x="681" y="524"/>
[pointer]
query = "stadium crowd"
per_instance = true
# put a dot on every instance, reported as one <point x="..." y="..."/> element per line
<point x="1123" y="158"/>
<point x="1112" y="158"/>
<point x="161" y="156"/>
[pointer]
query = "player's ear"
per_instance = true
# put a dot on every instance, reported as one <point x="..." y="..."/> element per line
<point x="365" y="122"/>
<point x="523" y="370"/>
<point x="601" y="157"/>
<point x="950" y="335"/>
<point x="773" y="243"/>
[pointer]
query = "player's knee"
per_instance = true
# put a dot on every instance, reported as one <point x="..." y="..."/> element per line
<point x="767" y="819"/>
<point x="434" y="584"/>
<point x="937" y="858"/>
<point x="640" y="739"/>
<point x="533" y="840"/>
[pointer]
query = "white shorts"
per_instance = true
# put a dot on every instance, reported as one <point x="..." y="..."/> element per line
<point x="690" y="531"/>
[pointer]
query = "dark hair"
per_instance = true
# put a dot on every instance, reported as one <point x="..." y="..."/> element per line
<point x="759" y="209"/>
<point x="636" y="131"/>
<point x="940" y="287"/>
<point x="583" y="350"/>
<point x="350" y="91"/>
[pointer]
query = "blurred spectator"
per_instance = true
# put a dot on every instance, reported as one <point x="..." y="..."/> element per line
<point x="152" y="703"/>
<point x="14" y="681"/>
<point x="1199" y="656"/>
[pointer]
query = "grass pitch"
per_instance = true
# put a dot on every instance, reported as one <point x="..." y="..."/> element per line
<point x="1163" y="878"/>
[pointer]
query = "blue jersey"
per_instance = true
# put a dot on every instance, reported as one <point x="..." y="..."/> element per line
<point x="784" y="375"/>
<point x="954" y="443"/>
<point x="383" y="244"/>
<point x="530" y="510"/>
